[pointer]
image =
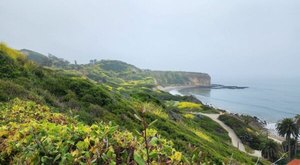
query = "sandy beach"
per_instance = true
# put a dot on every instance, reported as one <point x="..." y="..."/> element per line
<point x="177" y="88"/>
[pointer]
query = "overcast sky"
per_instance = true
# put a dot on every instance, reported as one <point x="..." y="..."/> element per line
<point x="227" y="39"/>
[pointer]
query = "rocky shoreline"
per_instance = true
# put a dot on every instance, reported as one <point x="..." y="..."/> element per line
<point x="265" y="127"/>
<point x="218" y="86"/>
<point x="212" y="86"/>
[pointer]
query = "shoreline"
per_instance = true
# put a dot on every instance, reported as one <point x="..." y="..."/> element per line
<point x="212" y="86"/>
<point x="177" y="88"/>
<point x="270" y="127"/>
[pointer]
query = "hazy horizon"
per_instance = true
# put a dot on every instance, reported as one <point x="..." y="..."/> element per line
<point x="231" y="39"/>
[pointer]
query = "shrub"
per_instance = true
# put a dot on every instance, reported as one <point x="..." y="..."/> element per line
<point x="244" y="132"/>
<point x="31" y="134"/>
<point x="188" y="105"/>
<point x="9" y="90"/>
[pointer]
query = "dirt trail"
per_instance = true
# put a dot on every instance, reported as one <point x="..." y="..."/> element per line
<point x="235" y="140"/>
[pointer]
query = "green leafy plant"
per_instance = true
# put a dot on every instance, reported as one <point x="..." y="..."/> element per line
<point x="31" y="133"/>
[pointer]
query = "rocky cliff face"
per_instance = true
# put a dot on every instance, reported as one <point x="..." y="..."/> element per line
<point x="174" y="78"/>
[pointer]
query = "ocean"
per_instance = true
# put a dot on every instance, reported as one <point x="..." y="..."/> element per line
<point x="268" y="99"/>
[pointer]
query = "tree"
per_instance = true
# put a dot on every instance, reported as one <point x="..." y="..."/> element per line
<point x="297" y="121"/>
<point x="287" y="127"/>
<point x="270" y="150"/>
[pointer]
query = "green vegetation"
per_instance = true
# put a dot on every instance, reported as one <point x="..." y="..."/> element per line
<point x="287" y="128"/>
<point x="165" y="78"/>
<point x="30" y="133"/>
<point x="245" y="132"/>
<point x="249" y="131"/>
<point x="37" y="57"/>
<point x="113" y="71"/>
<point x="97" y="103"/>
<point x="43" y="60"/>
<point x="271" y="150"/>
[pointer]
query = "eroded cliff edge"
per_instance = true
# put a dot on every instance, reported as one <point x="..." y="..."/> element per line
<point x="180" y="78"/>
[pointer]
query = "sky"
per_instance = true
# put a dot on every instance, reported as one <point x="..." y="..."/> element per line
<point x="227" y="39"/>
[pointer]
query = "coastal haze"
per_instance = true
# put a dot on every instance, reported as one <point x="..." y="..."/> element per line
<point x="150" y="82"/>
<point x="226" y="39"/>
<point x="247" y="43"/>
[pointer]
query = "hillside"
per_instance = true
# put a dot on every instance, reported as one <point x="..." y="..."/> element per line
<point x="105" y="69"/>
<point x="93" y="106"/>
<point x="176" y="78"/>
<point x="37" y="57"/>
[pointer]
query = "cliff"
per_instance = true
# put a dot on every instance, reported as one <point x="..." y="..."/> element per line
<point x="113" y="70"/>
<point x="124" y="98"/>
<point x="179" y="78"/>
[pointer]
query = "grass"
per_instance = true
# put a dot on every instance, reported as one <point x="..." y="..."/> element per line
<point x="95" y="95"/>
<point x="248" y="135"/>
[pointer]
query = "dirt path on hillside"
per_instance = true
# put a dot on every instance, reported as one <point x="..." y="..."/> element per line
<point x="235" y="140"/>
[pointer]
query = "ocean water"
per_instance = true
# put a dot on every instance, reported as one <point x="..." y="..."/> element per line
<point x="268" y="99"/>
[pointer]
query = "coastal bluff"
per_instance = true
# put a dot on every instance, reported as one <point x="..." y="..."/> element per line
<point x="113" y="70"/>
<point x="180" y="78"/>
